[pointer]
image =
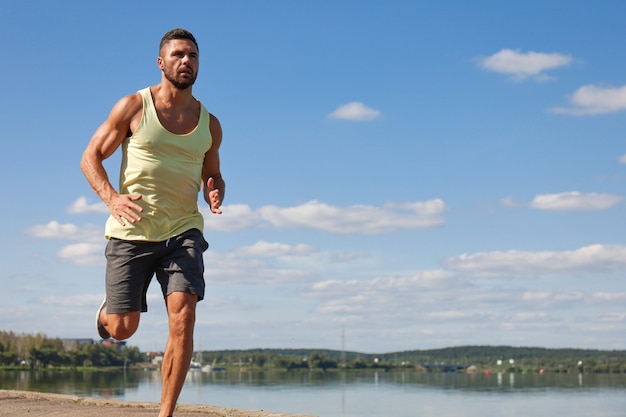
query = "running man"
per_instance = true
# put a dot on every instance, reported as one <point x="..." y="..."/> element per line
<point x="170" y="152"/>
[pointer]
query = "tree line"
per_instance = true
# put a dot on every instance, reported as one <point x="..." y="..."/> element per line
<point x="37" y="350"/>
<point x="478" y="358"/>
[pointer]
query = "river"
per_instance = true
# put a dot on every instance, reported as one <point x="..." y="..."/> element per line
<point x="355" y="394"/>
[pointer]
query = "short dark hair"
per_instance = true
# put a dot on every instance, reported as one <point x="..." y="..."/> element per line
<point x="177" y="33"/>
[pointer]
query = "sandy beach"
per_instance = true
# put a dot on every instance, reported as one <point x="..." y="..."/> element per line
<point x="36" y="404"/>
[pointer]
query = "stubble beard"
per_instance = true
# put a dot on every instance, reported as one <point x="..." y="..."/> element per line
<point x="179" y="83"/>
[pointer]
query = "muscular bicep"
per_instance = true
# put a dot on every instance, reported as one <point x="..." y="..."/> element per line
<point x="115" y="128"/>
<point x="105" y="140"/>
<point x="103" y="144"/>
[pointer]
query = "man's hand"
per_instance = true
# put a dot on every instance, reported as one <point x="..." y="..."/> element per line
<point x="214" y="196"/>
<point x="123" y="209"/>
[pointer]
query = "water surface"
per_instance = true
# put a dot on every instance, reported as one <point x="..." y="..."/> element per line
<point x="355" y="394"/>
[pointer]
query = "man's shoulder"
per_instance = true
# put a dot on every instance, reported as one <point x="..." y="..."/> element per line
<point x="215" y="128"/>
<point x="213" y="120"/>
<point x="130" y="104"/>
<point x="131" y="99"/>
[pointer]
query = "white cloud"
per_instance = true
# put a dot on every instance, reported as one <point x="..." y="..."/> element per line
<point x="72" y="301"/>
<point x="396" y="296"/>
<point x="622" y="159"/>
<point x="442" y="296"/>
<point x="81" y="206"/>
<point x="355" y="111"/>
<point x="531" y="316"/>
<point x="234" y="217"/>
<point x="550" y="298"/>
<point x="349" y="256"/>
<point x="67" y="231"/>
<point x="508" y="202"/>
<point x="53" y="230"/>
<point x="460" y="314"/>
<point x="358" y="219"/>
<point x="89" y="250"/>
<point x="314" y="215"/>
<point x="400" y="284"/>
<point x="591" y="100"/>
<point x="613" y="318"/>
<point x="588" y="258"/>
<point x="524" y="65"/>
<point x="83" y="253"/>
<point x="234" y="268"/>
<point x="450" y="309"/>
<point x="270" y="249"/>
<point x="575" y="201"/>
<point x="603" y="298"/>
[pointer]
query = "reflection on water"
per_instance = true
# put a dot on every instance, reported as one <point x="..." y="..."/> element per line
<point x="358" y="394"/>
<point x="87" y="383"/>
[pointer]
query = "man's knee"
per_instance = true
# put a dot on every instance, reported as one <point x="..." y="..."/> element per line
<point x="122" y="326"/>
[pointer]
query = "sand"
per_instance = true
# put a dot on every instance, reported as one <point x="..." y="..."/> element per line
<point x="36" y="404"/>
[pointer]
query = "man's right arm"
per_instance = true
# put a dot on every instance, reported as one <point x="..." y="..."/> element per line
<point x="107" y="138"/>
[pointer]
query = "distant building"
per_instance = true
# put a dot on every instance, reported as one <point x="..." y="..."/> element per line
<point x="114" y="343"/>
<point x="154" y="358"/>
<point x="75" y="344"/>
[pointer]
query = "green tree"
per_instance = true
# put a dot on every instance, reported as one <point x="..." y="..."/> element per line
<point x="132" y="354"/>
<point x="45" y="356"/>
<point x="101" y="355"/>
<point x="321" y="361"/>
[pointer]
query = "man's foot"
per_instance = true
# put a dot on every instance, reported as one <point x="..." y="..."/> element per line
<point x="101" y="330"/>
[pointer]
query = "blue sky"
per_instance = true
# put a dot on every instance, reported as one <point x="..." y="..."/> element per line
<point x="414" y="174"/>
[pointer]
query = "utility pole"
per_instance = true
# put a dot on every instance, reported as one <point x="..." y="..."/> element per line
<point x="343" y="347"/>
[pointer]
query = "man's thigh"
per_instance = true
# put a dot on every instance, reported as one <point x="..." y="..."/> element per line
<point x="130" y="267"/>
<point x="182" y="270"/>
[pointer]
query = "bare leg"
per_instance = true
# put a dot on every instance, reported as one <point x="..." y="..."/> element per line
<point x="120" y="326"/>
<point x="181" y="312"/>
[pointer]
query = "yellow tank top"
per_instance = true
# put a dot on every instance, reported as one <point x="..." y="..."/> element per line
<point x="165" y="169"/>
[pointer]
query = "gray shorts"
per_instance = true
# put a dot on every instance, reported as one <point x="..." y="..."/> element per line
<point x="177" y="263"/>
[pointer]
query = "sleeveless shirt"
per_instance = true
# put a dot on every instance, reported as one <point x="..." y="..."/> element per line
<point x="166" y="170"/>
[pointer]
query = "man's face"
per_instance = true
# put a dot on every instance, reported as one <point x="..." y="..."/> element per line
<point x="179" y="62"/>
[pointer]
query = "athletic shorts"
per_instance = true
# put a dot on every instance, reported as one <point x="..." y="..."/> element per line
<point x="176" y="262"/>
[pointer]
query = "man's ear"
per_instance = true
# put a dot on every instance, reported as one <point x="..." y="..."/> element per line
<point x="160" y="62"/>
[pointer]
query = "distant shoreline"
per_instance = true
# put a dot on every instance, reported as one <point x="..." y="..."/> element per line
<point x="42" y="353"/>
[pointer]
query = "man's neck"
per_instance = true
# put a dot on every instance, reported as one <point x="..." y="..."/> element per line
<point x="167" y="93"/>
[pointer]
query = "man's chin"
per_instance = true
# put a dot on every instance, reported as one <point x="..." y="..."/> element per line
<point x="183" y="84"/>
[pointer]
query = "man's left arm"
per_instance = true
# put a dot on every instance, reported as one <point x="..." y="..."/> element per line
<point x="213" y="185"/>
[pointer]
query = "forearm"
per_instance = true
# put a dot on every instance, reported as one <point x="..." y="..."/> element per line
<point x="97" y="177"/>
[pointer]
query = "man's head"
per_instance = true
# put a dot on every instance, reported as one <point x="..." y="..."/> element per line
<point x="177" y="33"/>
<point x="178" y="58"/>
